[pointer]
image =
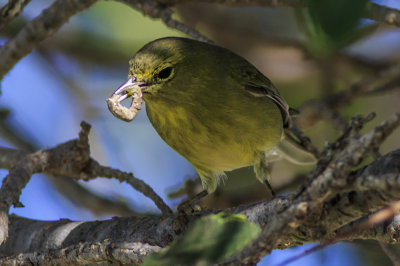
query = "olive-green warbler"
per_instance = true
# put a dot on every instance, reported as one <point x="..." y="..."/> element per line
<point x="213" y="107"/>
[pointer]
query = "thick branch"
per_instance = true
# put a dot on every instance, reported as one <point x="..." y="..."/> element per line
<point x="328" y="177"/>
<point x="66" y="158"/>
<point x="362" y="194"/>
<point x="8" y="158"/>
<point x="95" y="170"/>
<point x="72" y="159"/>
<point x="103" y="252"/>
<point x="53" y="237"/>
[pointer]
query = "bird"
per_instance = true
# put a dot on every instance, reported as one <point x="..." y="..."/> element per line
<point x="213" y="107"/>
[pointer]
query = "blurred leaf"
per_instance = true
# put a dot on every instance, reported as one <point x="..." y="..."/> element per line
<point x="210" y="239"/>
<point x="337" y="18"/>
<point x="332" y="24"/>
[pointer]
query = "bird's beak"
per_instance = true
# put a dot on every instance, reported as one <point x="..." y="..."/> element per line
<point x="128" y="89"/>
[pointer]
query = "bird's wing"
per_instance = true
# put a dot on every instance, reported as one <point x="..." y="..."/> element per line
<point x="258" y="85"/>
<point x="267" y="89"/>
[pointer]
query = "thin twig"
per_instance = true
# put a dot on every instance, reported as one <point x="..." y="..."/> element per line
<point x="354" y="228"/>
<point x="391" y="255"/>
<point x="363" y="86"/>
<point x="326" y="178"/>
<point x="376" y="218"/>
<point x="157" y="9"/>
<point x="10" y="10"/>
<point x="66" y="158"/>
<point x="96" y="170"/>
<point x="40" y="28"/>
<point x="304" y="140"/>
<point x="9" y="157"/>
<point x="327" y="108"/>
<point x="98" y="205"/>
<point x="269" y="3"/>
<point x="166" y="17"/>
<point x="72" y="159"/>
<point x="391" y="86"/>
<point x="66" y="185"/>
<point x="51" y="19"/>
<point x="381" y="13"/>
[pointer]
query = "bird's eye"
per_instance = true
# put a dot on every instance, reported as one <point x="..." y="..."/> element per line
<point x="165" y="73"/>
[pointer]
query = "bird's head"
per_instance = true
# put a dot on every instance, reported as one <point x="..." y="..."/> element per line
<point x="154" y="69"/>
<point x="173" y="71"/>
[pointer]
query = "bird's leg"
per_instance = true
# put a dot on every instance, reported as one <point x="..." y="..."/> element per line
<point x="269" y="188"/>
<point x="209" y="181"/>
<point x="189" y="206"/>
<point x="262" y="172"/>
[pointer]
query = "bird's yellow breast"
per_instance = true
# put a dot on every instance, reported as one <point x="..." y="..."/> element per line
<point x="218" y="138"/>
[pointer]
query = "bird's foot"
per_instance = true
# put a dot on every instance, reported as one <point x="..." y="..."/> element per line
<point x="191" y="206"/>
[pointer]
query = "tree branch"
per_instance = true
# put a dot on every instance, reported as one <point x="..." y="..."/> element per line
<point x="319" y="211"/>
<point x="327" y="178"/>
<point x="95" y="170"/>
<point x="379" y="13"/>
<point x="323" y="214"/>
<point x="66" y="185"/>
<point x="65" y="158"/>
<point x="384" y="14"/>
<point x="269" y="3"/>
<point x="53" y="237"/>
<point x="43" y="26"/>
<point x="372" y="226"/>
<point x="103" y="252"/>
<point x="327" y="107"/>
<point x="10" y="10"/>
<point x="71" y="158"/>
<point x="391" y="255"/>
<point x="157" y="9"/>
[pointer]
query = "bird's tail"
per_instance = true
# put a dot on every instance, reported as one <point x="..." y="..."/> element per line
<point x="290" y="149"/>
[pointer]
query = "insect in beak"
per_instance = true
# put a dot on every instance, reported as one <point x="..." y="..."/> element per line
<point x="131" y="88"/>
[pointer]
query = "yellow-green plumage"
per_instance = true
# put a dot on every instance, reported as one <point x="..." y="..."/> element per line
<point x="210" y="105"/>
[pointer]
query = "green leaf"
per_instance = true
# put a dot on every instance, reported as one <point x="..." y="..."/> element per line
<point x="332" y="23"/>
<point x="209" y="240"/>
<point x="337" y="17"/>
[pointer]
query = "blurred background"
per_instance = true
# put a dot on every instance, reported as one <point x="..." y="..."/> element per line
<point x="67" y="79"/>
